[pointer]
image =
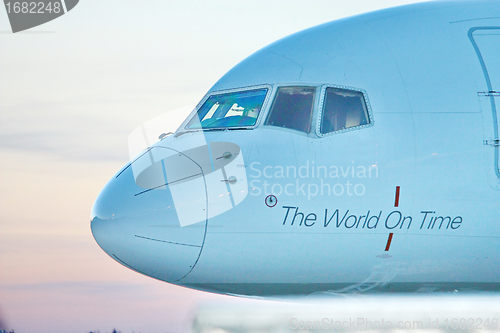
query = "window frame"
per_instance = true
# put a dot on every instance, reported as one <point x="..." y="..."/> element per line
<point x="321" y="110"/>
<point x="316" y="98"/>
<point x="263" y="109"/>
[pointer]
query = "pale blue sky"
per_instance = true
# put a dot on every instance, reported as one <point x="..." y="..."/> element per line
<point x="71" y="91"/>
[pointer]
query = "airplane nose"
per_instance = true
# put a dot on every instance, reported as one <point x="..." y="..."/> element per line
<point x="140" y="228"/>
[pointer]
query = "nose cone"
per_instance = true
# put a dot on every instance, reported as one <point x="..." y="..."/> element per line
<point x="140" y="228"/>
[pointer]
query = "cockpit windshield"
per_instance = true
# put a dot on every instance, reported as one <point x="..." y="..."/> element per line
<point x="229" y="110"/>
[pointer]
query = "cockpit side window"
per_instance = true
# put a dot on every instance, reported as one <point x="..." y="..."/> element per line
<point x="292" y="108"/>
<point x="343" y="109"/>
<point x="229" y="110"/>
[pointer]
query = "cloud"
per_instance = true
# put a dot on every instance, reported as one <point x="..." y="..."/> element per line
<point x="88" y="288"/>
<point x="69" y="146"/>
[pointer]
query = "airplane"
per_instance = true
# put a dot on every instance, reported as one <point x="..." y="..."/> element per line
<point x="358" y="156"/>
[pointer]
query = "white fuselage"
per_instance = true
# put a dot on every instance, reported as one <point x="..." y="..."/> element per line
<point x="409" y="202"/>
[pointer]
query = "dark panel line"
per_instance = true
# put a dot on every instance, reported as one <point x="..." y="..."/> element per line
<point x="163" y="241"/>
<point x="490" y="88"/>
<point x="130" y="164"/>
<point x="175" y="181"/>
<point x="154" y="188"/>
<point x="125" y="264"/>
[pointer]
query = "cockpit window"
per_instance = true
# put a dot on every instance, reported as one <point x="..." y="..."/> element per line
<point x="343" y="109"/>
<point x="236" y="109"/>
<point x="292" y="108"/>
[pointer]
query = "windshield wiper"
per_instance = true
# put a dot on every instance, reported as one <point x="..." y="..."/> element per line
<point x="212" y="130"/>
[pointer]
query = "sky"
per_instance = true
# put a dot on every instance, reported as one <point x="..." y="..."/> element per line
<point x="71" y="92"/>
